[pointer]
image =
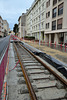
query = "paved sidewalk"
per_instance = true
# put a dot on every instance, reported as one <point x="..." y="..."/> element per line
<point x="62" y="56"/>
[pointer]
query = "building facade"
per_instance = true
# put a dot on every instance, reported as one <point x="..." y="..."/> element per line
<point x="35" y="20"/>
<point x="47" y="20"/>
<point x="6" y="27"/>
<point x="56" y="21"/>
<point x="1" y="27"/>
<point x="22" y="25"/>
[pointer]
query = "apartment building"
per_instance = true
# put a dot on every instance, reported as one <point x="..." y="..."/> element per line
<point x="29" y="22"/>
<point x="22" y="25"/>
<point x="56" y="21"/>
<point x="47" y="20"/>
<point x="1" y="27"/>
<point x="35" y="19"/>
<point x="6" y="27"/>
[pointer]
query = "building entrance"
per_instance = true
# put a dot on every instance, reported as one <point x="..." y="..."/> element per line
<point x="52" y="38"/>
<point x="61" y="38"/>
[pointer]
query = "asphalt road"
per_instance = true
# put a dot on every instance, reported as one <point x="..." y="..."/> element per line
<point x="3" y="44"/>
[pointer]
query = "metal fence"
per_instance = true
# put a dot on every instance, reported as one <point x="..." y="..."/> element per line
<point x="60" y="47"/>
<point x="3" y="63"/>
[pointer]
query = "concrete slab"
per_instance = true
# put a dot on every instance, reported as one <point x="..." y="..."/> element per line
<point x="32" y="64"/>
<point x="33" y="67"/>
<point x="44" y="85"/>
<point x="51" y="93"/>
<point x="40" y="76"/>
<point x="29" y="61"/>
<point x="35" y="70"/>
<point x="13" y="85"/>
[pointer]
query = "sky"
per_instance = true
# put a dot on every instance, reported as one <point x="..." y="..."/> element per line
<point x="10" y="10"/>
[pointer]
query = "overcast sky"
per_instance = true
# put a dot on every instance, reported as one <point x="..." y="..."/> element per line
<point x="10" y="10"/>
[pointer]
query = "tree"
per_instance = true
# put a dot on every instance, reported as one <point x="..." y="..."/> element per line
<point x="15" y="29"/>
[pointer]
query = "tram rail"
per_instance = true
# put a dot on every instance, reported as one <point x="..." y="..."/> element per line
<point x="44" y="77"/>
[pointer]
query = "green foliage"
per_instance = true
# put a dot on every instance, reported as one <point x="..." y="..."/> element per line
<point x="15" y="29"/>
<point x="29" y="37"/>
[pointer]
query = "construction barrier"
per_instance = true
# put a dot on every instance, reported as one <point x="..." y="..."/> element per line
<point x="3" y="68"/>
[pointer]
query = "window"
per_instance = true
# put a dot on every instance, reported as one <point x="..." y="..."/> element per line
<point x="39" y="17"/>
<point x="59" y="23"/>
<point x="36" y="27"/>
<point x="60" y="9"/>
<point x="42" y="24"/>
<point x="59" y="0"/>
<point x="48" y="14"/>
<point x="39" y="9"/>
<point x="42" y="6"/>
<point x="54" y="25"/>
<point x="47" y="25"/>
<point x="54" y="2"/>
<point x="39" y="1"/>
<point x="42" y="15"/>
<point x="48" y="3"/>
<point x="36" y="19"/>
<point x="54" y="12"/>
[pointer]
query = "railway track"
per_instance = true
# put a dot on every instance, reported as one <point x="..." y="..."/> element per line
<point x="41" y="81"/>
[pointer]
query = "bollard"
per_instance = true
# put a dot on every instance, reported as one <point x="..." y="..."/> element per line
<point x="55" y="44"/>
<point x="48" y="43"/>
<point x="41" y="42"/>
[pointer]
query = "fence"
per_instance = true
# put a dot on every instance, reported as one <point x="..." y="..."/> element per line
<point x="56" y="46"/>
<point x="2" y="68"/>
<point x="60" y="47"/>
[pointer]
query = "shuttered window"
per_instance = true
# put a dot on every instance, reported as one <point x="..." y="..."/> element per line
<point x="60" y="9"/>
<point x="59" y="23"/>
<point x="54" y="25"/>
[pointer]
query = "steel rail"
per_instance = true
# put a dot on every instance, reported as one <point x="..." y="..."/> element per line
<point x="64" y="81"/>
<point x="29" y="85"/>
